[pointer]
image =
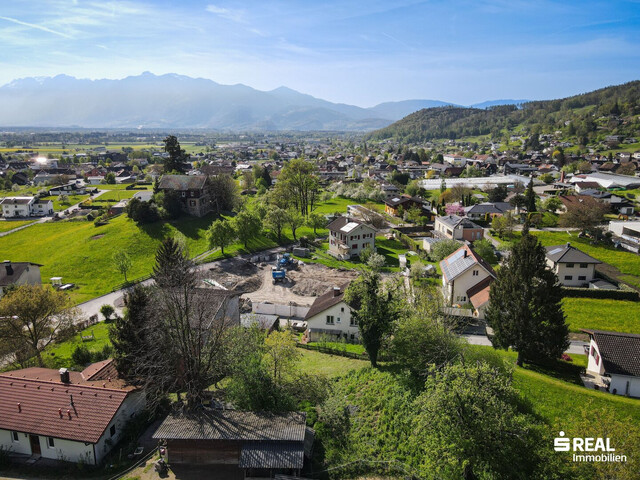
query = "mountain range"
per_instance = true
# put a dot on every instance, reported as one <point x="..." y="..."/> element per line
<point x="177" y="101"/>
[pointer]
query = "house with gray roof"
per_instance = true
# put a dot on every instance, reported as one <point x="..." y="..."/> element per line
<point x="193" y="191"/>
<point x="614" y="359"/>
<point x="487" y="210"/>
<point x="19" y="273"/>
<point x="349" y="236"/>
<point x="466" y="279"/>
<point x="457" y="228"/>
<point x="573" y="267"/>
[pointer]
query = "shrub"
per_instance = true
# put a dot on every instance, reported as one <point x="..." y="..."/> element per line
<point x="81" y="355"/>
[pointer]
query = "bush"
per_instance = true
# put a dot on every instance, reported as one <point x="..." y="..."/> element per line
<point x="81" y="356"/>
<point x="575" y="292"/>
<point x="443" y="249"/>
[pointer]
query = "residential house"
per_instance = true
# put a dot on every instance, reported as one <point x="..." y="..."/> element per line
<point x="404" y="203"/>
<point x="237" y="444"/>
<point x="573" y="267"/>
<point x="466" y="278"/>
<point x="65" y="415"/>
<point x="455" y="160"/>
<point x="458" y="228"/>
<point x="614" y="361"/>
<point x="19" y="273"/>
<point x="71" y="188"/>
<point x="26" y="207"/>
<point x="192" y="190"/>
<point x="627" y="234"/>
<point x="349" y="236"/>
<point x="487" y="210"/>
<point x="330" y="317"/>
<point x="581" y="186"/>
<point x="519" y="168"/>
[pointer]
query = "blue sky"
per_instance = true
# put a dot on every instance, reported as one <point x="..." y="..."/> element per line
<point x="361" y="52"/>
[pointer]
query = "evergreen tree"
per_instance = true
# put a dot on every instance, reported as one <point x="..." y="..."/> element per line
<point x="127" y="333"/>
<point x="530" y="197"/>
<point x="173" y="266"/>
<point x="177" y="156"/>
<point x="525" y="309"/>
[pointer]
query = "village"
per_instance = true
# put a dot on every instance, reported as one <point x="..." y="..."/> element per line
<point x="275" y="235"/>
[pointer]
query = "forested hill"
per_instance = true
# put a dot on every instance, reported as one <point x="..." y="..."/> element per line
<point x="611" y="111"/>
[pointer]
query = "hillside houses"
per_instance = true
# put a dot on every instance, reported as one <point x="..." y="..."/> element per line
<point x="16" y="207"/>
<point x="349" y="236"/>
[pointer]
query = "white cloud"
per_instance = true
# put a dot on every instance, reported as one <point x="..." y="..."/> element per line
<point x="35" y="26"/>
<point x="237" y="16"/>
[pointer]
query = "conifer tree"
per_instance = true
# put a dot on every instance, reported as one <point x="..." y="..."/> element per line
<point x="173" y="266"/>
<point x="530" y="197"/>
<point x="525" y="309"/>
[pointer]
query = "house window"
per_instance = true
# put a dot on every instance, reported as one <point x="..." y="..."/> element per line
<point x="184" y="194"/>
<point x="14" y="437"/>
<point x="342" y="309"/>
<point x="354" y="247"/>
<point x="353" y="337"/>
<point x="593" y="351"/>
<point x="192" y="203"/>
<point x="50" y="442"/>
<point x="568" y="277"/>
<point x="582" y="277"/>
<point x="569" y="265"/>
<point x="338" y="320"/>
<point x="112" y="430"/>
<point x="475" y="273"/>
<point x="583" y="265"/>
<point x="330" y="320"/>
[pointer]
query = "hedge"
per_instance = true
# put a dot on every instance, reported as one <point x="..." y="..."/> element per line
<point x="602" y="294"/>
<point x="334" y="351"/>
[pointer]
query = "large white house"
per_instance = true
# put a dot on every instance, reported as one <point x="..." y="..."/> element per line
<point x="26" y="207"/>
<point x="349" y="236"/>
<point x="615" y="358"/>
<point x="64" y="415"/>
<point x="573" y="267"/>
<point x="466" y="278"/>
<point x="330" y="317"/>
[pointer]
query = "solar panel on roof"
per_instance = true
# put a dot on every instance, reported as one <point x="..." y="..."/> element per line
<point x="456" y="256"/>
<point x="555" y="250"/>
<point x="349" y="226"/>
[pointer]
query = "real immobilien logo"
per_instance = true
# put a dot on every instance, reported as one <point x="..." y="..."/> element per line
<point x="596" y="449"/>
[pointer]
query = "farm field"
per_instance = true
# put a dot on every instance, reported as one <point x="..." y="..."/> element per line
<point x="602" y="314"/>
<point x="83" y="254"/>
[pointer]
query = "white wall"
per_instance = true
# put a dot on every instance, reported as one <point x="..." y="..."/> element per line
<point x="562" y="270"/>
<point x="619" y="383"/>
<point x="21" y="446"/>
<point x="592" y="367"/>
<point x="281" y="310"/>
<point x="350" y="239"/>
<point x="462" y="283"/>
<point x="339" y="311"/>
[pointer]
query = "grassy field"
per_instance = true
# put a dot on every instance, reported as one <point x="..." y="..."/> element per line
<point x="602" y="314"/>
<point x="73" y="200"/>
<point x="332" y="366"/>
<point x="83" y="254"/>
<point x="345" y="347"/>
<point x="22" y="192"/>
<point x="339" y="205"/>
<point x="5" y="226"/>
<point x="115" y="195"/>
<point x="628" y="263"/>
<point x="59" y="355"/>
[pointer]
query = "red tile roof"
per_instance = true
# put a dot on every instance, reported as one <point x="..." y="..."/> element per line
<point x="326" y="300"/>
<point x="34" y="401"/>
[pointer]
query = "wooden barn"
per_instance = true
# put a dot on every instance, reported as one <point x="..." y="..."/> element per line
<point x="260" y="445"/>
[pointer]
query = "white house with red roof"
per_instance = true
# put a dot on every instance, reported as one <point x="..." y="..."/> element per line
<point x="466" y="278"/>
<point x="330" y="317"/>
<point x="64" y="415"/>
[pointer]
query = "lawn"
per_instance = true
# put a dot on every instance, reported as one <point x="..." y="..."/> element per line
<point x="628" y="263"/>
<point x="22" y="192"/>
<point x="72" y="200"/>
<point x="356" y="348"/>
<point x="83" y="254"/>
<point x="602" y="314"/>
<point x="316" y="363"/>
<point x="115" y="195"/>
<point x="339" y="205"/>
<point x="7" y="225"/>
<point x="59" y="355"/>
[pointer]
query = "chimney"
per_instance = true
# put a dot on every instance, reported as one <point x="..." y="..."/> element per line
<point x="568" y="244"/>
<point x="64" y="375"/>
<point x="7" y="265"/>
<point x="336" y="291"/>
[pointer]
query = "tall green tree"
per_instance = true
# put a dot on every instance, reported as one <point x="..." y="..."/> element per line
<point x="122" y="262"/>
<point x="127" y="333"/>
<point x="221" y="234"/>
<point x="525" y="309"/>
<point x="247" y="226"/>
<point x="295" y="220"/>
<point x="177" y="156"/>
<point x="275" y="220"/>
<point x="173" y="266"/>
<point x="530" y="197"/>
<point x="299" y="184"/>
<point x="374" y="309"/>
<point x="316" y="220"/>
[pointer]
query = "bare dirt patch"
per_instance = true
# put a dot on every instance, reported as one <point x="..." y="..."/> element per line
<point x="314" y="279"/>
<point x="96" y="237"/>
<point x="236" y="274"/>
